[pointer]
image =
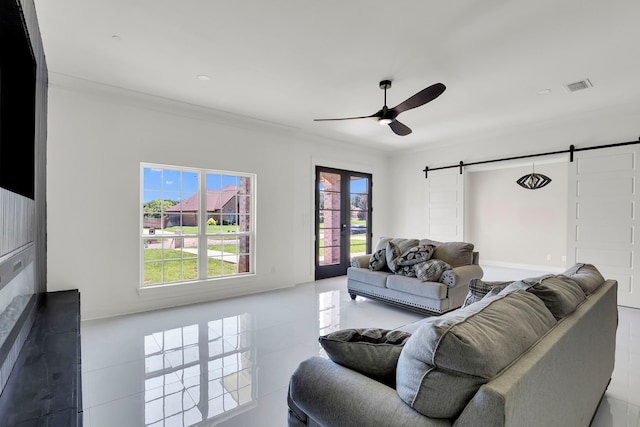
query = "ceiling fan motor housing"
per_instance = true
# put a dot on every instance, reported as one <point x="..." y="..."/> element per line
<point x="385" y="84"/>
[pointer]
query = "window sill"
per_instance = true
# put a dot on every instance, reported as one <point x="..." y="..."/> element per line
<point x="195" y="285"/>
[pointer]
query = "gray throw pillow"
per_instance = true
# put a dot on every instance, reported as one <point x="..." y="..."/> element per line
<point x="431" y="270"/>
<point x="560" y="294"/>
<point x="585" y="275"/>
<point x="448" y="358"/>
<point x="478" y="289"/>
<point x="455" y="254"/>
<point x="372" y="352"/>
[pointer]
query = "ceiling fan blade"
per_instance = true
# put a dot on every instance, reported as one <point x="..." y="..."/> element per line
<point x="421" y="98"/>
<point x="345" y="118"/>
<point x="399" y="128"/>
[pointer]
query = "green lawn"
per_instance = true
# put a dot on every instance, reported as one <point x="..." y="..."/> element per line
<point x="228" y="247"/>
<point x="358" y="244"/>
<point x="179" y="270"/>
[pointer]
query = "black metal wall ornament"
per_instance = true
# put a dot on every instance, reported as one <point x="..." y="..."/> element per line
<point x="533" y="181"/>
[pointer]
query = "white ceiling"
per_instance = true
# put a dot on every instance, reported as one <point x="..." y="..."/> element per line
<point x="290" y="61"/>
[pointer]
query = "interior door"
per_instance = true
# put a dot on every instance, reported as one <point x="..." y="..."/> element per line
<point x="343" y="219"/>
<point x="603" y="199"/>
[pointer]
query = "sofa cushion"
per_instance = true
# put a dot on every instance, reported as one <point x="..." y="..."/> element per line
<point x="413" y="286"/>
<point x="395" y="249"/>
<point x="478" y="289"/>
<point x="374" y="278"/>
<point x="431" y="270"/>
<point x="448" y="358"/>
<point x="372" y="352"/>
<point x="560" y="294"/>
<point x="586" y="275"/>
<point x="378" y="261"/>
<point x="455" y="254"/>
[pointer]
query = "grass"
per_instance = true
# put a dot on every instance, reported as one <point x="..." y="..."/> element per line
<point x="357" y="244"/>
<point x="176" y="267"/>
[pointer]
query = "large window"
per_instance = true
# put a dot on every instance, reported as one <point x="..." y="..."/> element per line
<point x="185" y="210"/>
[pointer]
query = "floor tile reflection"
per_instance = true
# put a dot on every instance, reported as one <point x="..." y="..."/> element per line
<point x="228" y="362"/>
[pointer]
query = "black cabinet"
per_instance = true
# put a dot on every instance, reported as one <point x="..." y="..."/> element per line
<point x="44" y="387"/>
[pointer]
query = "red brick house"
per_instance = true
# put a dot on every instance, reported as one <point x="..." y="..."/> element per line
<point x="222" y="205"/>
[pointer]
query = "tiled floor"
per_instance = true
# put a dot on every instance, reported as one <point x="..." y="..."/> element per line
<point x="228" y="362"/>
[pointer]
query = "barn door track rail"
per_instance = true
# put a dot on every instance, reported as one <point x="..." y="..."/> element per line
<point x="572" y="149"/>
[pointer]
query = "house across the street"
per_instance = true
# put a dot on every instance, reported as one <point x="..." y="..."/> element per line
<point x="222" y="206"/>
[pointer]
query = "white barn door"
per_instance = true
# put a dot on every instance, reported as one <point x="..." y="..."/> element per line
<point x="445" y="205"/>
<point x="603" y="198"/>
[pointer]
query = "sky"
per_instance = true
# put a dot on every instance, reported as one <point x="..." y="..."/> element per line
<point x="168" y="184"/>
<point x="178" y="185"/>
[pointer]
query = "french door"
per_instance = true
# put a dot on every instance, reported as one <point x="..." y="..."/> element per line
<point x="343" y="219"/>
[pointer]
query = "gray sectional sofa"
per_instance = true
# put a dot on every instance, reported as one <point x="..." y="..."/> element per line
<point x="425" y="276"/>
<point x="536" y="352"/>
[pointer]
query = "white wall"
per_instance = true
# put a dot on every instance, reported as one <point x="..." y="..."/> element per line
<point x="97" y="137"/>
<point x="408" y="216"/>
<point x="499" y="209"/>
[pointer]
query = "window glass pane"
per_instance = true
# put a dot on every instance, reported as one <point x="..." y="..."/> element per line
<point x="152" y="179"/>
<point x="173" y="226"/>
<point x="171" y="180"/>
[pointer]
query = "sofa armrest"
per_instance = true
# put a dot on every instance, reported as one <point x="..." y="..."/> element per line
<point x="460" y="276"/>
<point x="361" y="261"/>
<point x="332" y="395"/>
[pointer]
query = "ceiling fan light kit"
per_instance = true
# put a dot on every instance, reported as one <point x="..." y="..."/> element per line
<point x="387" y="116"/>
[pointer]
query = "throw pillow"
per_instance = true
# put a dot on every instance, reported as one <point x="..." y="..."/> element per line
<point x="585" y="275"/>
<point x="416" y="254"/>
<point x="447" y="359"/>
<point x="378" y="261"/>
<point x="406" y="270"/>
<point x="478" y="289"/>
<point x="455" y="254"/>
<point x="560" y="294"/>
<point x="382" y="243"/>
<point x="372" y="352"/>
<point x="394" y="250"/>
<point x="431" y="270"/>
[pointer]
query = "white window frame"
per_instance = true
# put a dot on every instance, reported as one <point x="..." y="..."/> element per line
<point x="202" y="235"/>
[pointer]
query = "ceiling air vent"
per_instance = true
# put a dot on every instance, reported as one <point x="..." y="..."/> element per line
<point x="576" y="86"/>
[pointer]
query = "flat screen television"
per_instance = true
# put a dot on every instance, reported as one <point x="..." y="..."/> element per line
<point x="17" y="102"/>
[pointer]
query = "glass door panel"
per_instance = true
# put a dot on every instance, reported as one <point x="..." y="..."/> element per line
<point x="343" y="212"/>
<point x="330" y="218"/>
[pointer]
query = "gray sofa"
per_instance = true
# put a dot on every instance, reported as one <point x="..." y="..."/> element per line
<point x="428" y="276"/>
<point x="537" y="352"/>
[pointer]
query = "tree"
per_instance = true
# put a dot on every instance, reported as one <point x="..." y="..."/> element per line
<point x="156" y="208"/>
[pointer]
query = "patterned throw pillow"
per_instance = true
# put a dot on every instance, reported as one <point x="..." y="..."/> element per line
<point x="378" y="261"/>
<point x="416" y="255"/>
<point x="406" y="270"/>
<point x="478" y="289"/>
<point x="395" y="249"/>
<point x="431" y="270"/>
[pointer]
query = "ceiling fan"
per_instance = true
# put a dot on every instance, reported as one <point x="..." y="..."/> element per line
<point x="387" y="116"/>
